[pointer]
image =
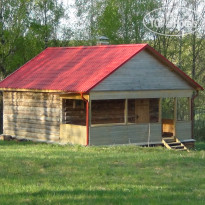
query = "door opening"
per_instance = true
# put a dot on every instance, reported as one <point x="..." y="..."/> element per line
<point x="168" y="117"/>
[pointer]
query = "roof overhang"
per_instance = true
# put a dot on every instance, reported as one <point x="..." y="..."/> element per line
<point x="173" y="67"/>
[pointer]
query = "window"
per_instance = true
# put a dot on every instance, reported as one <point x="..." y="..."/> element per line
<point x="131" y="111"/>
<point x="108" y="111"/>
<point x="168" y="108"/>
<point x="154" y="110"/>
<point x="74" y="112"/>
<point x="143" y="110"/>
<point x="183" y="113"/>
<point x="78" y="104"/>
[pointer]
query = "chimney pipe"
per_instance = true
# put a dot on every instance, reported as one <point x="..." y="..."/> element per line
<point x="102" y="40"/>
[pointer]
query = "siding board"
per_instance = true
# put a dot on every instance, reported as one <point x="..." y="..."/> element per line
<point x="139" y="94"/>
<point x="143" y="72"/>
<point x="74" y="134"/>
<point x="183" y="130"/>
<point x="124" y="134"/>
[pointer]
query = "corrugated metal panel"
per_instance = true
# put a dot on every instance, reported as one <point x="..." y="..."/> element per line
<point x="77" y="69"/>
<point x="73" y="69"/>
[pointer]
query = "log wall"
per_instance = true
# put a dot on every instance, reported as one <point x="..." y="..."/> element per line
<point x="107" y="111"/>
<point x="32" y="115"/>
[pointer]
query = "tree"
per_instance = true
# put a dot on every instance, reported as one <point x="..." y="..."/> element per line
<point x="13" y="21"/>
<point x="44" y="19"/>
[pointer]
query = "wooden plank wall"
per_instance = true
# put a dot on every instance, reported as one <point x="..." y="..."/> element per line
<point x="32" y="115"/>
<point x="183" y="130"/>
<point x="73" y="114"/>
<point x="139" y="94"/>
<point x="74" y="134"/>
<point x="143" y="72"/>
<point x="107" y="111"/>
<point x="125" y="134"/>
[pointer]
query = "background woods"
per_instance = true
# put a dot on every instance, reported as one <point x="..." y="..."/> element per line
<point x="29" y="26"/>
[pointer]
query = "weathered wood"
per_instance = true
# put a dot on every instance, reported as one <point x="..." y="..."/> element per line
<point x="32" y="135"/>
<point x="160" y="110"/>
<point x="47" y="133"/>
<point x="32" y="103"/>
<point x="37" y="118"/>
<point x="74" y="134"/>
<point x="16" y="96"/>
<point x="30" y="121"/>
<point x="28" y="124"/>
<point x="142" y="111"/>
<point x="143" y="72"/>
<point x="100" y="95"/>
<point x="183" y="130"/>
<point x="189" y="108"/>
<point x="189" y="145"/>
<point x="74" y="96"/>
<point x="108" y="111"/>
<point x="175" y="116"/>
<point x="124" y="134"/>
<point x="33" y="115"/>
<point x="33" y="129"/>
<point x="126" y="111"/>
<point x="34" y="109"/>
<point x="30" y="90"/>
<point x="168" y="125"/>
<point x="72" y="114"/>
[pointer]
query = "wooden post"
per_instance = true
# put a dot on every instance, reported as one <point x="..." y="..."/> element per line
<point x="126" y="112"/>
<point x="189" y="108"/>
<point x="160" y="110"/>
<point x="160" y="114"/>
<point x="175" y="115"/>
<point x="90" y="116"/>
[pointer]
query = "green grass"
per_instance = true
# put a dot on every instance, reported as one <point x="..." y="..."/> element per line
<point x="32" y="173"/>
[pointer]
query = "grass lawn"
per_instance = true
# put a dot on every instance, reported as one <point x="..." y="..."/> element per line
<point x="32" y="173"/>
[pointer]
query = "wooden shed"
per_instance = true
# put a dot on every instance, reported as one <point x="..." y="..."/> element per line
<point x="99" y="95"/>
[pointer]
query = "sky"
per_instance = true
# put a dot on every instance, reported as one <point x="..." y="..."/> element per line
<point x="72" y="20"/>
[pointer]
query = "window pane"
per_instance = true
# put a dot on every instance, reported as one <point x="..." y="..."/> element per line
<point x="131" y="111"/>
<point x="154" y="110"/>
<point x="74" y="112"/>
<point x="107" y="111"/>
<point x="183" y="109"/>
<point x="143" y="110"/>
<point x="168" y="108"/>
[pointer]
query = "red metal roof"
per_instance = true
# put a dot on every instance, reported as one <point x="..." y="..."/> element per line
<point x="75" y="69"/>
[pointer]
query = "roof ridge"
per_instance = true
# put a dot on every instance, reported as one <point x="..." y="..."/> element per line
<point x="99" y="46"/>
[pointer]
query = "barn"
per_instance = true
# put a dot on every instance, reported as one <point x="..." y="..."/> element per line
<point x="100" y="95"/>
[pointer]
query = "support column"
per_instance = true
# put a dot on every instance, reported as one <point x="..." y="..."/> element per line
<point x="175" y="115"/>
<point x="160" y="115"/>
<point x="126" y="112"/>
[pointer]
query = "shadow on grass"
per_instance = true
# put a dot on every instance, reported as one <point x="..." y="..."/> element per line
<point x="15" y="142"/>
<point x="200" y="146"/>
<point x="79" y="196"/>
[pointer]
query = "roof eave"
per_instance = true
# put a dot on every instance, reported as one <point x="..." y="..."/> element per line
<point x="193" y="83"/>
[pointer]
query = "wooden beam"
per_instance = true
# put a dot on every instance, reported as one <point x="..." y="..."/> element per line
<point x="189" y="108"/>
<point x="126" y="112"/>
<point x="175" y="115"/>
<point x="31" y="90"/>
<point x="89" y="119"/>
<point x="74" y="96"/>
<point x="160" y="110"/>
